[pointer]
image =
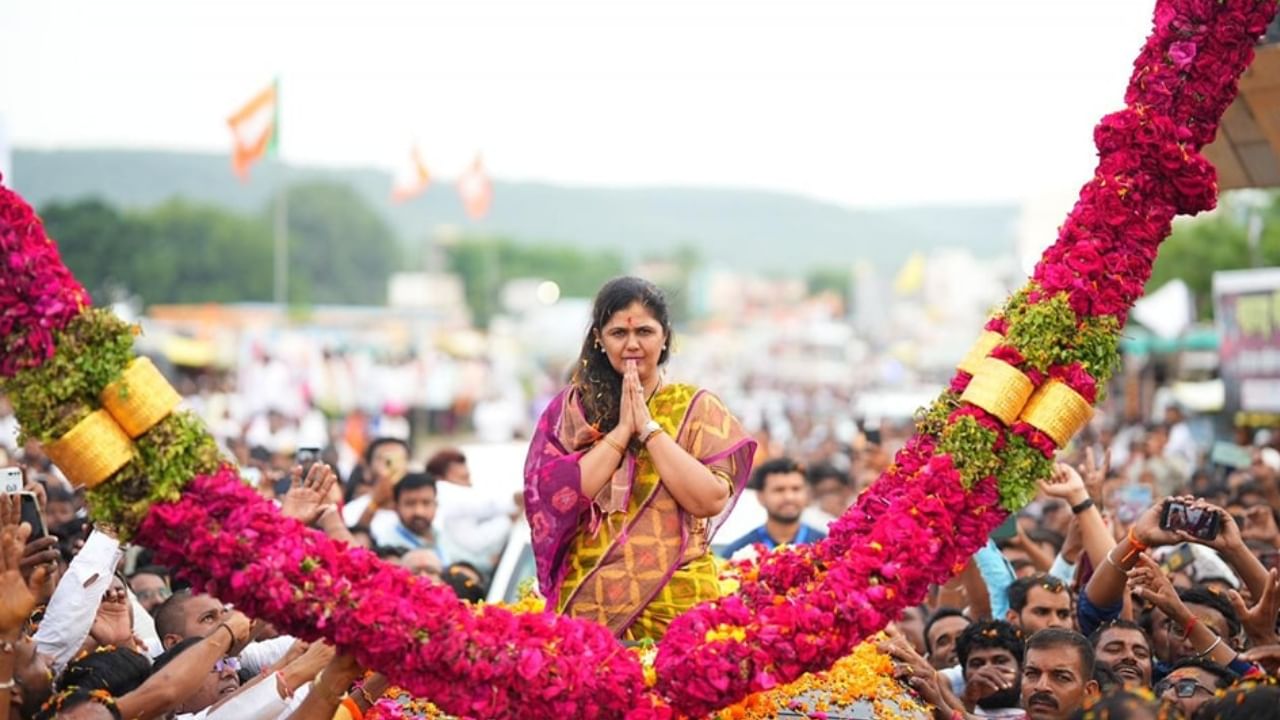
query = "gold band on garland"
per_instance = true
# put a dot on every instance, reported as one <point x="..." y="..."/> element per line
<point x="1057" y="411"/>
<point x="982" y="347"/>
<point x="999" y="388"/>
<point x="140" y="398"/>
<point x="92" y="451"/>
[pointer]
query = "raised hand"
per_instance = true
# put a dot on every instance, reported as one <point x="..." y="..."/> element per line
<point x="17" y="592"/>
<point x="1149" y="582"/>
<point x="1260" y="524"/>
<point x="241" y="630"/>
<point x="639" y="404"/>
<point x="1268" y="656"/>
<point x="911" y="668"/>
<point x="1259" y="621"/>
<point x="1065" y="483"/>
<point x="627" y="413"/>
<point x="987" y="681"/>
<point x="1228" y="537"/>
<point x="308" y="497"/>
<point x="1094" y="474"/>
<point x="113" y="625"/>
<point x="1147" y="527"/>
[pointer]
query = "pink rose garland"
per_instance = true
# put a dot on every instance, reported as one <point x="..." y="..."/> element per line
<point x="38" y="294"/>
<point x="485" y="662"/>
<point x="797" y="610"/>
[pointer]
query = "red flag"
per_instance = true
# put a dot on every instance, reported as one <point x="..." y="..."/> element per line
<point x="412" y="180"/>
<point x="476" y="190"/>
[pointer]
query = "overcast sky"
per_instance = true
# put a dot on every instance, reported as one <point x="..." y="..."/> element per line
<point x="864" y="103"/>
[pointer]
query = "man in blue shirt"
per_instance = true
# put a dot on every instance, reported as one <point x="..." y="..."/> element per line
<point x="781" y="489"/>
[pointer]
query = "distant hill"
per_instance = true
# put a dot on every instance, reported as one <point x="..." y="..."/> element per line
<point x="747" y="229"/>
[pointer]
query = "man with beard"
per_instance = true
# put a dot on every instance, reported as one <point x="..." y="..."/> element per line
<point x="1125" y="649"/>
<point x="415" y="504"/>
<point x="783" y="492"/>
<point x="990" y="653"/>
<point x="1039" y="602"/>
<point x="1057" y="674"/>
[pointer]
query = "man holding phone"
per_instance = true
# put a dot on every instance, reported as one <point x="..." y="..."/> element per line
<point x="386" y="461"/>
<point x="1184" y="622"/>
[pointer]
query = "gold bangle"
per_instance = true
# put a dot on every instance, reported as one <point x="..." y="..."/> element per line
<point x="614" y="444"/>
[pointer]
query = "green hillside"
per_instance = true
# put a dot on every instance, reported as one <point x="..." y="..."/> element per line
<point x="740" y="228"/>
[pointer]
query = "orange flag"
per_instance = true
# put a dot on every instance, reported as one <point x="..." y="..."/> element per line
<point x="476" y="190"/>
<point x="255" y="130"/>
<point x="412" y="179"/>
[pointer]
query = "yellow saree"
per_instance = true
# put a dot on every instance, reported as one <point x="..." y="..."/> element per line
<point x="632" y="559"/>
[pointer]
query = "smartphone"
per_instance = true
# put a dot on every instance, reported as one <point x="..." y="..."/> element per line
<point x="11" y="480"/>
<point x="306" y="457"/>
<point x="31" y="515"/>
<point x="1197" y="521"/>
<point x="1006" y="530"/>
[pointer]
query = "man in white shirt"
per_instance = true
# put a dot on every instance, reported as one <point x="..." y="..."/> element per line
<point x="75" y="601"/>
<point x="473" y="525"/>
<point x="1181" y="444"/>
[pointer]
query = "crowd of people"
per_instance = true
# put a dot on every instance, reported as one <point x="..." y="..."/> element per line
<point x="91" y="627"/>
<point x="1141" y="583"/>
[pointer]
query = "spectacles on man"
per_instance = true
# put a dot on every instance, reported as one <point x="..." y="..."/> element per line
<point x="1183" y="687"/>
<point x="227" y="663"/>
<point x="157" y="594"/>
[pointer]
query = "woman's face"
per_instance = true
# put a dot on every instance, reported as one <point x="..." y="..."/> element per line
<point x="633" y="333"/>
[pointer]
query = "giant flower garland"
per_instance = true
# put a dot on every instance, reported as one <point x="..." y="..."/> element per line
<point x="980" y="447"/>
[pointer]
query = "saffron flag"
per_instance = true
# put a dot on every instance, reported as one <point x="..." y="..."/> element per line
<point x="255" y="130"/>
<point x="476" y="190"/>
<point x="412" y="179"/>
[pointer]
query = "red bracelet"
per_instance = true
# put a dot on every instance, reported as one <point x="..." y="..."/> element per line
<point x="1191" y="624"/>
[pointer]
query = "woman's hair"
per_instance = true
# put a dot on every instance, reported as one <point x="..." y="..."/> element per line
<point x="598" y="384"/>
<point x="119" y="671"/>
<point x="74" y="697"/>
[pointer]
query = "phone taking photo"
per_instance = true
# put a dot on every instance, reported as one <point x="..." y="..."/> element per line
<point x="1196" y="521"/>
<point x="32" y="516"/>
<point x="11" y="480"/>
<point x="306" y="457"/>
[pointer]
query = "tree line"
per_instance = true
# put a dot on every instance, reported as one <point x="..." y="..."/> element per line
<point x="341" y="251"/>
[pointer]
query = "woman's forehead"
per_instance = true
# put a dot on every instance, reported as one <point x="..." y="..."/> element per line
<point x="631" y="316"/>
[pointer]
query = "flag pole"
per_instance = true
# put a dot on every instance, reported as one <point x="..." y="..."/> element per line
<point x="281" y="290"/>
<point x="281" y="241"/>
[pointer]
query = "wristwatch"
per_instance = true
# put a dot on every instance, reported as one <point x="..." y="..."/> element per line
<point x="650" y="429"/>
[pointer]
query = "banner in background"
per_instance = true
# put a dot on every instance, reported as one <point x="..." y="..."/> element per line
<point x="1247" y="313"/>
